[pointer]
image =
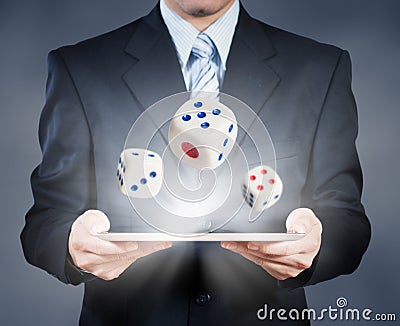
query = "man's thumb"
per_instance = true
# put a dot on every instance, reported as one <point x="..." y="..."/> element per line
<point x="95" y="221"/>
<point x="300" y="220"/>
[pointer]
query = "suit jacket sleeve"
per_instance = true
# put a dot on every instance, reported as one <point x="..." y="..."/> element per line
<point x="334" y="184"/>
<point x="63" y="185"/>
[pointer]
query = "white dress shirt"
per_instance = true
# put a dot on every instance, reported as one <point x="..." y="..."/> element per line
<point x="183" y="35"/>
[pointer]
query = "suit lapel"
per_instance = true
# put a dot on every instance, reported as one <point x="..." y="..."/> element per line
<point x="248" y="75"/>
<point x="156" y="72"/>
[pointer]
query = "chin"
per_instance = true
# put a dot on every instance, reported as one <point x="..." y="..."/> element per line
<point x="201" y="8"/>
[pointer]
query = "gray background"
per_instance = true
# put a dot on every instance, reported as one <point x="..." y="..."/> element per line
<point x="29" y="29"/>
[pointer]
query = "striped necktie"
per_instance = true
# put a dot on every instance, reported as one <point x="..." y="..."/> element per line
<point x="203" y="76"/>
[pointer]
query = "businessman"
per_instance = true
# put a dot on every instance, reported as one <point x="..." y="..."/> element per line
<point x="96" y="89"/>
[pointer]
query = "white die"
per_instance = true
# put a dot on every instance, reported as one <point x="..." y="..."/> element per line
<point x="202" y="133"/>
<point x="139" y="173"/>
<point x="261" y="187"/>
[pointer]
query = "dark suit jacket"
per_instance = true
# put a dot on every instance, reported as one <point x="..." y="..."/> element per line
<point x="96" y="89"/>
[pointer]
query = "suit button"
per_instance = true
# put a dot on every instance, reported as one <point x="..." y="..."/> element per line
<point x="202" y="299"/>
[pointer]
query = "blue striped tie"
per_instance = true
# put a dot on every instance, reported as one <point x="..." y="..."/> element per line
<point x="203" y="76"/>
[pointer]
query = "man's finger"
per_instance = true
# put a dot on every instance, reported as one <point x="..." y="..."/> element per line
<point x="100" y="264"/>
<point x="298" y="261"/>
<point x="266" y="249"/>
<point x="142" y="249"/>
<point x="102" y="247"/>
<point x="301" y="220"/>
<point x="271" y="250"/>
<point x="274" y="269"/>
<point x="309" y="243"/>
<point x="281" y="248"/>
<point x="147" y="248"/>
<point x="92" y="262"/>
<point x="93" y="221"/>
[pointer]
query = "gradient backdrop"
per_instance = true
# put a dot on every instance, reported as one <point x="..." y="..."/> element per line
<point x="368" y="29"/>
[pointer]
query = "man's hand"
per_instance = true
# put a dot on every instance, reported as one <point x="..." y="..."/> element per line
<point x="285" y="259"/>
<point x="104" y="259"/>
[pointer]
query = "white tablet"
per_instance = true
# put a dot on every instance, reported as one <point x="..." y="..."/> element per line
<point x="202" y="237"/>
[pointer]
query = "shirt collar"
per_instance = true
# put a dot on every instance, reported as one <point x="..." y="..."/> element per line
<point x="184" y="34"/>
